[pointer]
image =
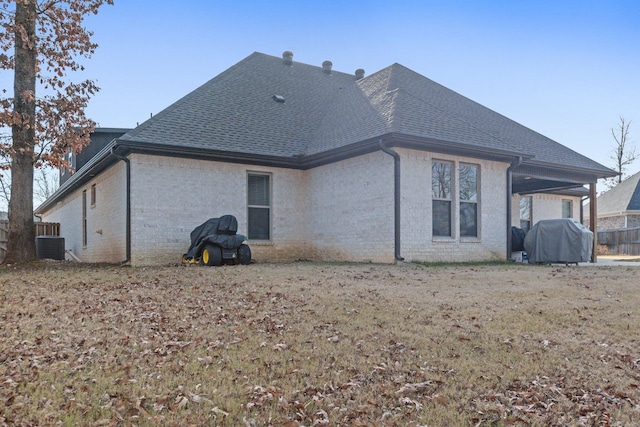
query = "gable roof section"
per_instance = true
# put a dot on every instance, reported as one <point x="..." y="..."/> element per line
<point x="624" y="197"/>
<point x="322" y="113"/>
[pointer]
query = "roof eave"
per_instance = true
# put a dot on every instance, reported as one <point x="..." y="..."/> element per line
<point x="598" y="173"/>
<point x="94" y="166"/>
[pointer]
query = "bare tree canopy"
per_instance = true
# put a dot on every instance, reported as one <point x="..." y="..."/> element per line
<point x="41" y="41"/>
<point x="624" y="150"/>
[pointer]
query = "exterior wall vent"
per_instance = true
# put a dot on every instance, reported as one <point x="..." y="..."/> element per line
<point x="287" y="57"/>
<point x="359" y="73"/>
<point x="326" y="67"/>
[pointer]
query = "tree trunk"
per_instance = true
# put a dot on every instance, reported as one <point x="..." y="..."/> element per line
<point x="21" y="245"/>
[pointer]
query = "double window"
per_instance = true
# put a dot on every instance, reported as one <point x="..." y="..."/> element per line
<point x="259" y="206"/>
<point x="442" y="195"/>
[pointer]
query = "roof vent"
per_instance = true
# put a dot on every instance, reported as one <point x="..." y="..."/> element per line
<point x="287" y="57"/>
<point x="359" y="73"/>
<point x="326" y="67"/>
<point x="278" y="98"/>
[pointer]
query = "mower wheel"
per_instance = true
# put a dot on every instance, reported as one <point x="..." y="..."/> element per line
<point x="211" y="255"/>
<point x="244" y="254"/>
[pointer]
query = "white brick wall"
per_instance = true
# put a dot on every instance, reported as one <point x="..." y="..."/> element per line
<point x="105" y="221"/>
<point x="350" y="209"/>
<point x="418" y="244"/>
<point x="171" y="196"/>
<point x="342" y="211"/>
<point x="544" y="206"/>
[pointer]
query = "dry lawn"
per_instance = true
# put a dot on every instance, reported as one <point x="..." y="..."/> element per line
<point x="319" y="344"/>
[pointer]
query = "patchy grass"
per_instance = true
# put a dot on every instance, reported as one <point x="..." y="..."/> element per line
<point x="319" y="344"/>
<point x="496" y="263"/>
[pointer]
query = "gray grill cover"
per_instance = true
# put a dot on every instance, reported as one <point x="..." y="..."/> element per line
<point x="559" y="240"/>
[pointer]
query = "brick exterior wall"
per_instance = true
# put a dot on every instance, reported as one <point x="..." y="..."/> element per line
<point x="338" y="212"/>
<point x="619" y="221"/>
<point x="418" y="243"/>
<point x="350" y="210"/>
<point x="106" y="225"/>
<point x="171" y="196"/>
<point x="544" y="206"/>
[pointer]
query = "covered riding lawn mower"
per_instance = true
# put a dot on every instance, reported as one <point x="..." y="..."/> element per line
<point x="215" y="242"/>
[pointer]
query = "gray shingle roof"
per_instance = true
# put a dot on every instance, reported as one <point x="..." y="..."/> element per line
<point x="621" y="198"/>
<point x="235" y="113"/>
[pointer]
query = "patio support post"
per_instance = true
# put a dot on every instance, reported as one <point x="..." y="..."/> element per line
<point x="517" y="162"/>
<point x="593" y="220"/>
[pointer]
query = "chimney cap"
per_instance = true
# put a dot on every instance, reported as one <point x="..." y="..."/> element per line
<point x="359" y="73"/>
<point x="326" y="67"/>
<point x="287" y="57"/>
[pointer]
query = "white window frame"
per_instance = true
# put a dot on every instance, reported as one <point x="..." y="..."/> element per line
<point x="570" y="202"/>
<point x="465" y="201"/>
<point x="439" y="198"/>
<point x="529" y="211"/>
<point x="268" y="206"/>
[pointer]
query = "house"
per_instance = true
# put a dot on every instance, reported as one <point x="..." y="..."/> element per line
<point x="322" y="165"/>
<point x="619" y="207"/>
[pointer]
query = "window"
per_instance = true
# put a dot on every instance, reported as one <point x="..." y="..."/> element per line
<point x="84" y="218"/>
<point x="567" y="209"/>
<point x="441" y="198"/>
<point x="259" y="206"/>
<point x="525" y="213"/>
<point x="70" y="158"/>
<point x="468" y="200"/>
<point x="93" y="196"/>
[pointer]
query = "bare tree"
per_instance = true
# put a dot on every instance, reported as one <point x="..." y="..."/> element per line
<point x="624" y="151"/>
<point x="5" y="176"/>
<point x="5" y="191"/>
<point x="45" y="184"/>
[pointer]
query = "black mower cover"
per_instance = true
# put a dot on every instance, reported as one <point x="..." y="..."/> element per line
<point x="219" y="231"/>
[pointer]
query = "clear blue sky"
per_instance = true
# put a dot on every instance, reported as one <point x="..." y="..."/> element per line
<point x="565" y="68"/>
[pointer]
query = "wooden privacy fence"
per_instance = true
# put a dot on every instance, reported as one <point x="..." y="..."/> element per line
<point x="621" y="241"/>
<point x="42" y="229"/>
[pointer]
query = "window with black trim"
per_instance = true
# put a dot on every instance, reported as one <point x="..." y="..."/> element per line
<point x="441" y="197"/>
<point x="468" y="189"/>
<point x="259" y="206"/>
<point x="93" y="196"/>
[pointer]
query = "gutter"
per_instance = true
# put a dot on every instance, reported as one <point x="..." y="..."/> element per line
<point x="128" y="202"/>
<point x="513" y="165"/>
<point x="396" y="196"/>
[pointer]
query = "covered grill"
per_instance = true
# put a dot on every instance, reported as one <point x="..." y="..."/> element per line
<point x="558" y="241"/>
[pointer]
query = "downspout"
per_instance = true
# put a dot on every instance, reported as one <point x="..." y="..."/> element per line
<point x="128" y="203"/>
<point x="513" y="165"/>
<point x="396" y="196"/>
